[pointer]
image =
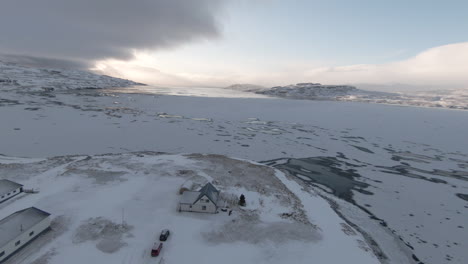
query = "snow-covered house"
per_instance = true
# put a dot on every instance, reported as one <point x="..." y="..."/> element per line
<point x="9" y="189"/>
<point x="19" y="228"/>
<point x="203" y="201"/>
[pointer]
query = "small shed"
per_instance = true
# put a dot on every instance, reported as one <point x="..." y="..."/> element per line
<point x="9" y="189"/>
<point x="19" y="228"/>
<point x="187" y="186"/>
<point x="203" y="201"/>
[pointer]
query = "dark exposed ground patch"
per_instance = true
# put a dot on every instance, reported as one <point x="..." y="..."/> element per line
<point x="359" y="138"/>
<point x="408" y="156"/>
<point x="462" y="196"/>
<point x="363" y="149"/>
<point x="8" y="102"/>
<point x="100" y="176"/>
<point x="20" y="172"/>
<point x="416" y="173"/>
<point x="109" y="235"/>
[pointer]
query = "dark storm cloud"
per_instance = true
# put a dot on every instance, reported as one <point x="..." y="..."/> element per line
<point x="97" y="29"/>
<point x="40" y="62"/>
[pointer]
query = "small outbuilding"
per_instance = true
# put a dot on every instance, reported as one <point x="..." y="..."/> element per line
<point x="19" y="228"/>
<point x="203" y="201"/>
<point x="9" y="189"/>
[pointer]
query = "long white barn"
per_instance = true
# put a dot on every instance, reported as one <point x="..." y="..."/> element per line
<point x="19" y="228"/>
<point x="9" y="189"/>
<point x="203" y="201"/>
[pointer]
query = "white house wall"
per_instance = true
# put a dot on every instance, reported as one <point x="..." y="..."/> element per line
<point x="185" y="207"/>
<point x="198" y="207"/>
<point x="10" y="248"/>
<point x="6" y="196"/>
<point x="210" y="206"/>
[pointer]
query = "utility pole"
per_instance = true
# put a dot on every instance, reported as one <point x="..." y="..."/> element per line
<point x="123" y="221"/>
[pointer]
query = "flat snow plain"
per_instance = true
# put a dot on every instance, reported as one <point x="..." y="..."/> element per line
<point x="413" y="161"/>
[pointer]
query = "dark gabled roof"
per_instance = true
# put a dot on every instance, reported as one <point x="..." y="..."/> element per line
<point x="15" y="224"/>
<point x="210" y="191"/>
<point x="7" y="186"/>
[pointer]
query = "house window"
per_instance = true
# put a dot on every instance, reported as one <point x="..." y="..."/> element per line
<point x="32" y="233"/>
<point x="203" y="207"/>
<point x="18" y="242"/>
<point x="190" y="206"/>
<point x="2" y="253"/>
<point x="3" y="196"/>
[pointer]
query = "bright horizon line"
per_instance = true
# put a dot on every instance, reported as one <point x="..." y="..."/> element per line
<point x="439" y="67"/>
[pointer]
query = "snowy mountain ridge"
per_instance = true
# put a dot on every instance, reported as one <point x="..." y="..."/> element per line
<point x="452" y="99"/>
<point x="311" y="91"/>
<point x="13" y="76"/>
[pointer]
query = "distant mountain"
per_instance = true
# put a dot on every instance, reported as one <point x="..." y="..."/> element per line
<point x="13" y="76"/>
<point x="314" y="91"/>
<point x="453" y="99"/>
<point x="317" y="91"/>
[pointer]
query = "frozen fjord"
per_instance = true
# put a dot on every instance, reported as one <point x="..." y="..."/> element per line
<point x="412" y="162"/>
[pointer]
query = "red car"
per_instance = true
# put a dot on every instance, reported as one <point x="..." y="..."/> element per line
<point x="156" y="250"/>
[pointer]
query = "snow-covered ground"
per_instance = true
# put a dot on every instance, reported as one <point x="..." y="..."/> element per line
<point x="111" y="208"/>
<point x="395" y="172"/>
<point x="451" y="99"/>
<point x="16" y="77"/>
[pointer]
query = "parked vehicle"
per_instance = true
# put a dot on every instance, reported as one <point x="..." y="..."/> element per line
<point x="156" y="250"/>
<point x="164" y="235"/>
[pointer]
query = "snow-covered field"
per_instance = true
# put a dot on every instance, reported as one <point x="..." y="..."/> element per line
<point x="111" y="208"/>
<point x="394" y="172"/>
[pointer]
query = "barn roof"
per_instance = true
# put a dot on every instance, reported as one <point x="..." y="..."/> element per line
<point x="210" y="191"/>
<point x="7" y="186"/>
<point x="15" y="224"/>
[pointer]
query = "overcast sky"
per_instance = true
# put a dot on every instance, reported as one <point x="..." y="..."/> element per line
<point x="267" y="42"/>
